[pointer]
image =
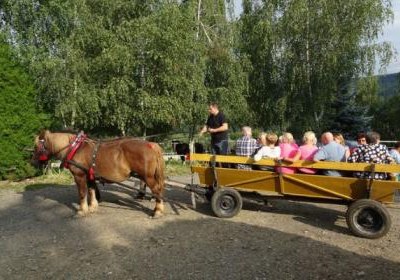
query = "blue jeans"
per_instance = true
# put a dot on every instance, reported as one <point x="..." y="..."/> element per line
<point x="219" y="148"/>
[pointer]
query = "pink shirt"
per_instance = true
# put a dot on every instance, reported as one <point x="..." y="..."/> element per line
<point x="288" y="150"/>
<point x="307" y="153"/>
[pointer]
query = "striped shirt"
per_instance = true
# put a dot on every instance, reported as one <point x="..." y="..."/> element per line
<point x="246" y="146"/>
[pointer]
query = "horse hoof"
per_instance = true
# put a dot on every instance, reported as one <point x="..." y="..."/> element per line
<point x="92" y="209"/>
<point x="157" y="215"/>
<point x="81" y="214"/>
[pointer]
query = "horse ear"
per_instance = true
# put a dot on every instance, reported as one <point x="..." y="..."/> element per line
<point x="44" y="133"/>
<point x="47" y="134"/>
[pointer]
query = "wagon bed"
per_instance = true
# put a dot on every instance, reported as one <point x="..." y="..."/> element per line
<point x="366" y="216"/>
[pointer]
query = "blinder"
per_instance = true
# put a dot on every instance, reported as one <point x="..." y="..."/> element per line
<point x="42" y="153"/>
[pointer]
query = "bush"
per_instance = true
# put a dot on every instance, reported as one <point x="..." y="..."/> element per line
<point x="20" y="118"/>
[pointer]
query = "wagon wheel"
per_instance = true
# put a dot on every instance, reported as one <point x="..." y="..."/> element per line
<point x="226" y="202"/>
<point x="368" y="218"/>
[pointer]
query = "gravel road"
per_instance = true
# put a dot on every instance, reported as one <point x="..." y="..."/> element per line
<point x="41" y="239"/>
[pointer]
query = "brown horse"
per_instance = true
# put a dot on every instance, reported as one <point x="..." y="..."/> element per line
<point x="111" y="161"/>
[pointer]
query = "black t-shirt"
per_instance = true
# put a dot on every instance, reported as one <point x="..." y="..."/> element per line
<point x="215" y="122"/>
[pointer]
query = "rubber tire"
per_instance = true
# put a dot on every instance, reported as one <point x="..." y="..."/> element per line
<point x="226" y="202"/>
<point x="368" y="219"/>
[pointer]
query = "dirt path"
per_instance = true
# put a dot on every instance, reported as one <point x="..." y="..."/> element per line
<point x="40" y="239"/>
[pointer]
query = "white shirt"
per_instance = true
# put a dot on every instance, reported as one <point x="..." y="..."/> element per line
<point x="269" y="152"/>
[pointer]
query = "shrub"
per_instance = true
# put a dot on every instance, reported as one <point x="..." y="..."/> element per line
<point x="20" y="118"/>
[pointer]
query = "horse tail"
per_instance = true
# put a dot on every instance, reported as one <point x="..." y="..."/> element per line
<point x="160" y="168"/>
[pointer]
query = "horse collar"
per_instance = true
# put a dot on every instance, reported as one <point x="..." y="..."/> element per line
<point x="74" y="146"/>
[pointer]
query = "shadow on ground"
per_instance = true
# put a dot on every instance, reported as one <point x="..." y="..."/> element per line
<point x="40" y="240"/>
<point x="114" y="196"/>
<point x="314" y="214"/>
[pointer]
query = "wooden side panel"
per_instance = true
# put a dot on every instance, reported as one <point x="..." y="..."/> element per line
<point x="391" y="168"/>
<point x="384" y="190"/>
<point x="311" y="186"/>
<point x="241" y="179"/>
<point x="319" y="186"/>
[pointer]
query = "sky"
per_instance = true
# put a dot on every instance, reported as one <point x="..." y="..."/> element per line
<point x="391" y="33"/>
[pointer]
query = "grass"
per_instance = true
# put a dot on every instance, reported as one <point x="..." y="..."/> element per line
<point x="172" y="168"/>
<point x="61" y="178"/>
<point x="176" y="168"/>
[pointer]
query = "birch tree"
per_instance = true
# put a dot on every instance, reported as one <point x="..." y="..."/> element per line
<point x="304" y="52"/>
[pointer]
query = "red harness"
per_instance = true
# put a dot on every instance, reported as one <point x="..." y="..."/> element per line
<point x="77" y="141"/>
<point x="75" y="145"/>
<point x="91" y="174"/>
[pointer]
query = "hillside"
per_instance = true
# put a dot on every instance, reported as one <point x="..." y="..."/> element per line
<point x="389" y="84"/>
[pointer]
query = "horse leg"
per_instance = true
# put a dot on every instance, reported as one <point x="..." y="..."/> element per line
<point x="93" y="203"/>
<point x="93" y="194"/>
<point x="142" y="190"/>
<point x="159" y="209"/>
<point x="82" y="190"/>
<point x="155" y="189"/>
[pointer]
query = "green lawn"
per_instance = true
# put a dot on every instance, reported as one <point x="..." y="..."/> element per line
<point x="172" y="168"/>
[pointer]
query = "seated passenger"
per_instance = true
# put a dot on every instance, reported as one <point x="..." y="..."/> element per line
<point x="338" y="137"/>
<point x="306" y="151"/>
<point x="245" y="146"/>
<point x="289" y="149"/>
<point x="330" y="151"/>
<point x="268" y="149"/>
<point x="361" y="140"/>
<point x="395" y="154"/>
<point x="373" y="152"/>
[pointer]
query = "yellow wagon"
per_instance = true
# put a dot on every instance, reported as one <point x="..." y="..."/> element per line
<point x="366" y="215"/>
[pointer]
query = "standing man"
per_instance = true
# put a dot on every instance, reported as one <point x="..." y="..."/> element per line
<point x="217" y="126"/>
<point x="330" y="151"/>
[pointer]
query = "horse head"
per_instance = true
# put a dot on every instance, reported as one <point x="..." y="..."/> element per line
<point x="40" y="153"/>
<point x="48" y="144"/>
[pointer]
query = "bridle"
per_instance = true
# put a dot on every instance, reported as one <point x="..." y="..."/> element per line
<point x="43" y="154"/>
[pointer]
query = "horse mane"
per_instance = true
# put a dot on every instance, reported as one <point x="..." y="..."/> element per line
<point x="67" y="130"/>
<point x="119" y="138"/>
<point x="43" y="132"/>
<point x="112" y="140"/>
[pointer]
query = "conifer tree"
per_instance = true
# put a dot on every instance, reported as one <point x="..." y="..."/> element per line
<point x="349" y="117"/>
<point x="20" y="118"/>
